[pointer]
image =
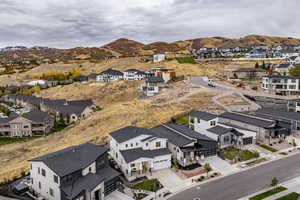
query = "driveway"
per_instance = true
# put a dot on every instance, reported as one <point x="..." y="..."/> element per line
<point x="220" y="165"/>
<point x="170" y="180"/>
<point x="117" y="196"/>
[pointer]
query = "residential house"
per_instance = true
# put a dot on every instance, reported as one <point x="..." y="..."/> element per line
<point x="152" y="85"/>
<point x="281" y="85"/>
<point x="36" y="82"/>
<point x="76" y="173"/>
<point x="257" y="53"/>
<point x="159" y="57"/>
<point x="293" y="105"/>
<point x="249" y="73"/>
<point x="139" y="151"/>
<point x="290" y="118"/>
<point x="293" y="60"/>
<point x="224" y="133"/>
<point x="68" y="111"/>
<point x="166" y="74"/>
<point x="283" y="68"/>
<point x="289" y="53"/>
<point x="34" y="123"/>
<point x="133" y="75"/>
<point x="187" y="146"/>
<point x="109" y="75"/>
<point x="267" y="130"/>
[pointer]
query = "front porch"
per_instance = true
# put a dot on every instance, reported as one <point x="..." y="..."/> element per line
<point x="139" y="169"/>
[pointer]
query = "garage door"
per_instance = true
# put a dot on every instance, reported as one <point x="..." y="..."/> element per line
<point x="161" y="164"/>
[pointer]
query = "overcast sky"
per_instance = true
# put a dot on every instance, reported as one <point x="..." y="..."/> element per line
<point x="71" y="23"/>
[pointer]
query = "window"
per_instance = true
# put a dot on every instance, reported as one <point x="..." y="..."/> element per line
<point x="226" y="138"/>
<point x="40" y="185"/>
<point x="147" y="144"/>
<point x="131" y="145"/>
<point x="132" y="165"/>
<point x="157" y="144"/>
<point x="51" y="192"/>
<point x="213" y="123"/>
<point x="43" y="172"/>
<point x="39" y="171"/>
<point x="31" y="180"/>
<point x="30" y="166"/>
<point x="90" y="169"/>
<point x="126" y="145"/>
<point x="137" y="144"/>
<point x="55" y="178"/>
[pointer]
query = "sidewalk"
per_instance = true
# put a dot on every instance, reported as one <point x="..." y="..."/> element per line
<point x="292" y="185"/>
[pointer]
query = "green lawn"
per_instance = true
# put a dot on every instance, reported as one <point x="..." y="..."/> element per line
<point x="268" y="193"/>
<point x="268" y="147"/>
<point x="230" y="153"/>
<point x="291" y="196"/>
<point x="184" y="120"/>
<point x="149" y="185"/>
<point x="186" y="60"/>
<point x="256" y="162"/>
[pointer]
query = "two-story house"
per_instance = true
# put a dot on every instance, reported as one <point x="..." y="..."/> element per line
<point x="34" y="123"/>
<point x="159" y="57"/>
<point x="76" y="173"/>
<point x="281" y="85"/>
<point x="139" y="151"/>
<point x="152" y="85"/>
<point x="187" y="146"/>
<point x="133" y="75"/>
<point x="109" y="75"/>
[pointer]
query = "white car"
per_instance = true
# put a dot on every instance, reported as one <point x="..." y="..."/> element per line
<point x="211" y="84"/>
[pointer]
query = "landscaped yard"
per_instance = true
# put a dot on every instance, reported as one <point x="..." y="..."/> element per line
<point x="186" y="60"/>
<point x="184" y="120"/>
<point x="256" y="161"/>
<point x="268" y="147"/>
<point x="291" y="196"/>
<point x="231" y="153"/>
<point x="268" y="193"/>
<point x="149" y="185"/>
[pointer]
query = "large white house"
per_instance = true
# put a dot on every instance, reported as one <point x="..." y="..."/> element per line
<point x="283" y="85"/>
<point x="284" y="68"/>
<point x="75" y="173"/>
<point x="109" y="75"/>
<point x="159" y="57"/>
<point x="133" y="75"/>
<point x="139" y="151"/>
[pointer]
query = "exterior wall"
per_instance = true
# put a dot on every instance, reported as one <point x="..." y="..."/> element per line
<point x="278" y="85"/>
<point x="47" y="182"/>
<point x="108" y="78"/>
<point x="159" y="57"/>
<point x="89" y="169"/>
<point x="130" y="76"/>
<point x="201" y="125"/>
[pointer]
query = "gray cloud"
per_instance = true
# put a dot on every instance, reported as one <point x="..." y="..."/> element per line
<point x="70" y="23"/>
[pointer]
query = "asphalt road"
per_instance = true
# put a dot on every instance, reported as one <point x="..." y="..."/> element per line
<point x="244" y="183"/>
<point x="199" y="81"/>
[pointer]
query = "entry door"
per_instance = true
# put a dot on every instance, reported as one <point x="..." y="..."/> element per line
<point x="98" y="195"/>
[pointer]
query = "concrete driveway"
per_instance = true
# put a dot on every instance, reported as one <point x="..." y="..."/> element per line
<point x="117" y="196"/>
<point x="220" y="165"/>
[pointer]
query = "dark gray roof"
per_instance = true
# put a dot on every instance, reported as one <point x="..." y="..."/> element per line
<point x="283" y="66"/>
<point x="88" y="182"/>
<point x="134" y="154"/>
<point x="37" y="116"/>
<point x="282" y="77"/>
<point x="219" y="130"/>
<point x="111" y="72"/>
<point x="278" y="114"/>
<point x="234" y="126"/>
<point x="154" y="79"/>
<point x="249" y="119"/>
<point x="174" y="138"/>
<point x="130" y="132"/>
<point x="203" y="115"/>
<point x="71" y="159"/>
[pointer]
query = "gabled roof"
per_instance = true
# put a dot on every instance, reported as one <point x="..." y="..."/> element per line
<point x="129" y="132"/>
<point x="37" y="116"/>
<point x="278" y="114"/>
<point x="203" y="115"/>
<point x="285" y="65"/>
<point x="71" y="159"/>
<point x="111" y="72"/>
<point x="249" y="119"/>
<point x="135" y="154"/>
<point x="219" y="130"/>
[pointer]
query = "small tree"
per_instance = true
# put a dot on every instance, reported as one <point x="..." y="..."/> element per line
<point x="207" y="168"/>
<point x="256" y="65"/>
<point x="274" y="182"/>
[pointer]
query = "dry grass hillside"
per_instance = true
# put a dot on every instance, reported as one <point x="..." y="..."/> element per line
<point x="121" y="107"/>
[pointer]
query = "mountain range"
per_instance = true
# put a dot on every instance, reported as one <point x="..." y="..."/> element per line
<point x="124" y="47"/>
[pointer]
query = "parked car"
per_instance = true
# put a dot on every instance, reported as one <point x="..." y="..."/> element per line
<point x="211" y="83"/>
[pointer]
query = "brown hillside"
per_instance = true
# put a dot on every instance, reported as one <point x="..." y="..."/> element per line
<point x="124" y="46"/>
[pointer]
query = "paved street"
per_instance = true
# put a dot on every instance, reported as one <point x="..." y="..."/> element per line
<point x="244" y="183"/>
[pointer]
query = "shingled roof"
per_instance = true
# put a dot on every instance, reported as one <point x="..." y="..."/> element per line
<point x="71" y="159"/>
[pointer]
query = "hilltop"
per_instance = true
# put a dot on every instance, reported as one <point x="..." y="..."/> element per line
<point x="126" y="48"/>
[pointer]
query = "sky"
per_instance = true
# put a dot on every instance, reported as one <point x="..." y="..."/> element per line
<point x="73" y="23"/>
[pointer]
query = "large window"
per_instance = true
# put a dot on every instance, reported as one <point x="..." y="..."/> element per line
<point x="51" y="192"/>
<point x="43" y="172"/>
<point x="55" y="178"/>
<point x="158" y="144"/>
